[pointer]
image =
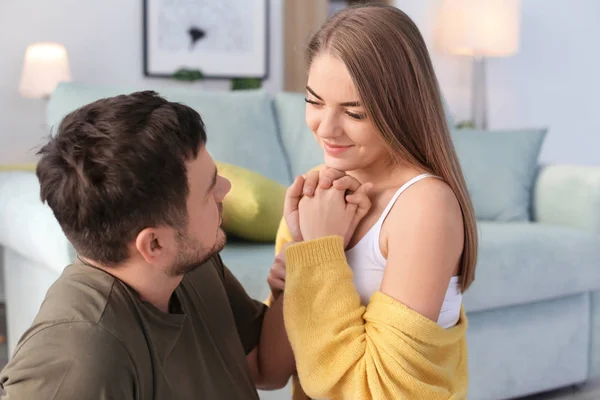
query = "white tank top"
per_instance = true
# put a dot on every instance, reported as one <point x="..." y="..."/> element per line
<point x="368" y="263"/>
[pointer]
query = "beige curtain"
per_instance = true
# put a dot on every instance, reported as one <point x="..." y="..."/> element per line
<point x="301" y="18"/>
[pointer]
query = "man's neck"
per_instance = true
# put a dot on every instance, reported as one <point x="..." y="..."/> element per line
<point x="152" y="285"/>
<point x="158" y="293"/>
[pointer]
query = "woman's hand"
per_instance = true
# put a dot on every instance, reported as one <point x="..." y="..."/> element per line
<point x="323" y="178"/>
<point x="305" y="185"/>
<point x="290" y="208"/>
<point x="332" y="212"/>
<point x="326" y="178"/>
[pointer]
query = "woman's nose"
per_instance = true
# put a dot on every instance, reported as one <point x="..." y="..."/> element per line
<point x="329" y="127"/>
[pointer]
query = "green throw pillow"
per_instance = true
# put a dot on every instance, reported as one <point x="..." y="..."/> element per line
<point x="500" y="168"/>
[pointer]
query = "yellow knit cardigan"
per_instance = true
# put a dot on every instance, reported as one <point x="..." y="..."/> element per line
<point x="346" y="351"/>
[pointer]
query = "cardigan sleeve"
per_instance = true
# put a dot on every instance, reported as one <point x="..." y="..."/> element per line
<point x="345" y="350"/>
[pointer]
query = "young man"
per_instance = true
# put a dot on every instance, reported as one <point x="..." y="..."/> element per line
<point x="148" y="311"/>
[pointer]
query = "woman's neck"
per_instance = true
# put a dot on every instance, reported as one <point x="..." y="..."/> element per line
<point x="385" y="175"/>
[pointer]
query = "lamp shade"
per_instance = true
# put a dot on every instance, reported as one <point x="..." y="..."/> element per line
<point x="46" y="64"/>
<point x="484" y="28"/>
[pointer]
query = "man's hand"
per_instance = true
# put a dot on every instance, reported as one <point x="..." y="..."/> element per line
<point x="276" y="278"/>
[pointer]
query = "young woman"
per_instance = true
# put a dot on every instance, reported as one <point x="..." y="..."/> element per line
<point x="376" y="311"/>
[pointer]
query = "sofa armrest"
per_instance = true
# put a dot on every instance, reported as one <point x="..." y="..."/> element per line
<point x="568" y="195"/>
<point x="27" y="226"/>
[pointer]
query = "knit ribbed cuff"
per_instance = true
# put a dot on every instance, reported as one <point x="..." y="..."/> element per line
<point x="314" y="252"/>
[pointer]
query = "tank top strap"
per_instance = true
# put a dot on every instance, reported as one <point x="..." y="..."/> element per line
<point x="408" y="184"/>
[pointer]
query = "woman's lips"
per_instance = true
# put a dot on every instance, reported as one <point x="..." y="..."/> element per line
<point x="335" y="150"/>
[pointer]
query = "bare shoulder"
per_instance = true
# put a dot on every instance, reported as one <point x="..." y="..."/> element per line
<point x="428" y="212"/>
<point x="430" y="201"/>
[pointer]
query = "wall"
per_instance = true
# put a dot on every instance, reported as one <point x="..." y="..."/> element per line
<point x="554" y="80"/>
<point x="104" y="42"/>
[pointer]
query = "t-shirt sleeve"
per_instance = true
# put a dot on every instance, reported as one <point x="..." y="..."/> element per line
<point x="248" y="313"/>
<point x="76" y="360"/>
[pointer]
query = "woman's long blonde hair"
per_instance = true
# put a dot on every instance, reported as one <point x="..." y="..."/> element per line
<point x="388" y="61"/>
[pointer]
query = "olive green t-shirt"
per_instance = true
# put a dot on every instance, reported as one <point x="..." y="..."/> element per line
<point x="95" y="339"/>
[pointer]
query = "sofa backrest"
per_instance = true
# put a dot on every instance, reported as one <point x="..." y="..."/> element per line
<point x="240" y="125"/>
<point x="302" y="150"/>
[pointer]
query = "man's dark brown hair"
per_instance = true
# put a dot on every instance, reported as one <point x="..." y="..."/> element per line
<point x="117" y="166"/>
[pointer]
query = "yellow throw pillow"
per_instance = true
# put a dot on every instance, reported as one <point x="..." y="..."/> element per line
<point x="18" y="167"/>
<point x="254" y="206"/>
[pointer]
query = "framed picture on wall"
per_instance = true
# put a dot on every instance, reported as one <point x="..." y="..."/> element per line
<point x="223" y="39"/>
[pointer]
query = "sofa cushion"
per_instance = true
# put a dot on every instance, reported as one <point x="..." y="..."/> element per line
<point x="526" y="262"/>
<point x="254" y="206"/>
<point x="500" y="169"/>
<point x="240" y="125"/>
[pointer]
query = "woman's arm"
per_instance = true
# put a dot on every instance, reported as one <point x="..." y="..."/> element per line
<point x="424" y="245"/>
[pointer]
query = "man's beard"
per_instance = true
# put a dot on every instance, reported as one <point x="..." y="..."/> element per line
<point x="192" y="254"/>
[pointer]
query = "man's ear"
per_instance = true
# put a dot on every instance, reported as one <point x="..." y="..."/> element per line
<point x="154" y="244"/>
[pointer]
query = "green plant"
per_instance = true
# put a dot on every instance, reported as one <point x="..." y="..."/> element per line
<point x="192" y="75"/>
<point x="245" y="83"/>
<point x="188" y="75"/>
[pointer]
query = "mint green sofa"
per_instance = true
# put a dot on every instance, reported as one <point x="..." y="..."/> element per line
<point x="534" y="308"/>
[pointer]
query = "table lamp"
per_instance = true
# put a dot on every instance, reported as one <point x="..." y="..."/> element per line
<point x="479" y="29"/>
<point x="46" y="64"/>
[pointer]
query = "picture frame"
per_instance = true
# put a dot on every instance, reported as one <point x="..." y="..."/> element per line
<point x="223" y="39"/>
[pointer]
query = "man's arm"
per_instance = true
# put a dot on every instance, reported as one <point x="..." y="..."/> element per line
<point x="262" y="332"/>
<point x="74" y="360"/>
<point x="272" y="360"/>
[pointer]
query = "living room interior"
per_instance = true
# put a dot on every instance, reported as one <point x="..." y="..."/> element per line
<point x="517" y="78"/>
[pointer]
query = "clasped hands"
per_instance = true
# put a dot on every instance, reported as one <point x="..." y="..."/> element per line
<point x="321" y="203"/>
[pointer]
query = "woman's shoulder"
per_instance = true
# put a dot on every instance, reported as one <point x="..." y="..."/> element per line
<point x="428" y="192"/>
<point x="424" y="241"/>
<point x="429" y="203"/>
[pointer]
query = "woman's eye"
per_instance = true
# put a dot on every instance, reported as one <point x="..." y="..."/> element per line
<point x="355" y="115"/>
<point x="309" y="101"/>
